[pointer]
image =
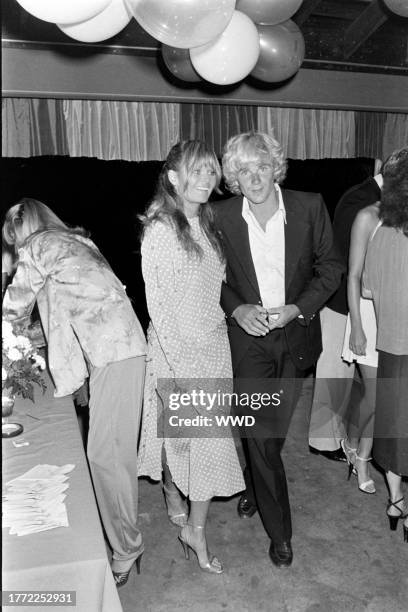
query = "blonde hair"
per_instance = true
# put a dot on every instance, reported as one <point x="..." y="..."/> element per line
<point x="27" y="217"/>
<point x="248" y="147"/>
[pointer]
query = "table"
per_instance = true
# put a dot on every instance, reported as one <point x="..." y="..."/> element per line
<point x="70" y="558"/>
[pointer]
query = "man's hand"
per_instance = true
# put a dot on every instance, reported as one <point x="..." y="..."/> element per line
<point x="281" y="316"/>
<point x="252" y="318"/>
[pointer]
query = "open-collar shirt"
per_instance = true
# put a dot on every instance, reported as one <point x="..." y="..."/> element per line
<point x="268" y="252"/>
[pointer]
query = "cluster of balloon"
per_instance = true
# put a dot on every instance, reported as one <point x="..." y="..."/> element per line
<point x="257" y="38"/>
<point x="399" y="7"/>
<point x="221" y="41"/>
<point x="83" y="20"/>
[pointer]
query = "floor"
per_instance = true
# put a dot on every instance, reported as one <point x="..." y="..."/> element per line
<point x="345" y="556"/>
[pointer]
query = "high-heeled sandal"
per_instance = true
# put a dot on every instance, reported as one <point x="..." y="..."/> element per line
<point x="175" y="504"/>
<point x="213" y="566"/>
<point x="350" y="454"/>
<point x="368" y="486"/>
<point x="403" y="514"/>
<point x="121" y="578"/>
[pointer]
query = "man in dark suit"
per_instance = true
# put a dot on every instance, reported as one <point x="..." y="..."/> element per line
<point x="334" y="377"/>
<point x="281" y="269"/>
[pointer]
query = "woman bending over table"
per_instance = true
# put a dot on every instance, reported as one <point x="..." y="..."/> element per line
<point x="91" y="330"/>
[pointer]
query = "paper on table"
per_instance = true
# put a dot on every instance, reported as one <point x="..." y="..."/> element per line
<point x="44" y="471"/>
<point x="34" y="501"/>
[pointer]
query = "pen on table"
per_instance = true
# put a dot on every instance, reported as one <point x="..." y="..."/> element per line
<point x="33" y="417"/>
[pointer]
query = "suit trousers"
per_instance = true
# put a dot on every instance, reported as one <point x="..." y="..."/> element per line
<point x="267" y="368"/>
<point x="115" y="404"/>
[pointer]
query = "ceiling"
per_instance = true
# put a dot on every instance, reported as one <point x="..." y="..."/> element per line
<point x="350" y="35"/>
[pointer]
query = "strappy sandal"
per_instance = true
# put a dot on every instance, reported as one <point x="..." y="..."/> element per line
<point x="121" y="578"/>
<point x="368" y="486"/>
<point x="212" y="566"/>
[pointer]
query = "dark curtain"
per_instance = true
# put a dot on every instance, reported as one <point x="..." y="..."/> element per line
<point x="216" y="123"/>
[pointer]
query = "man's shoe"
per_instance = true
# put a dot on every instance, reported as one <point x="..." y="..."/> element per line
<point x="246" y="508"/>
<point x="281" y="555"/>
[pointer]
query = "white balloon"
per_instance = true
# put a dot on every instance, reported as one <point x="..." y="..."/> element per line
<point x="64" y="11"/>
<point x="232" y="55"/>
<point x="106" y="24"/>
<point x="183" y="23"/>
<point x="399" y="7"/>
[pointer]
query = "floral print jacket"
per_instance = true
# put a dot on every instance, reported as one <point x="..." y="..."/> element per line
<point x="85" y="312"/>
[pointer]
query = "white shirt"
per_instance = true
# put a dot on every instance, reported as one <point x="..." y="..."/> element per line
<point x="379" y="180"/>
<point x="268" y="252"/>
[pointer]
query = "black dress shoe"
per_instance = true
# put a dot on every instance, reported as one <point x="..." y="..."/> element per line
<point x="281" y="554"/>
<point x="246" y="508"/>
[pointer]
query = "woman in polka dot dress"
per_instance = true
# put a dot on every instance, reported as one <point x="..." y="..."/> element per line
<point x="183" y="269"/>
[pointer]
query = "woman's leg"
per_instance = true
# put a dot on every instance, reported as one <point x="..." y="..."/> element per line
<point x="394" y="482"/>
<point x="176" y="505"/>
<point x="361" y="423"/>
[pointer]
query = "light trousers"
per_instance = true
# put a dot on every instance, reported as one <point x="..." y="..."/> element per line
<point x="115" y="406"/>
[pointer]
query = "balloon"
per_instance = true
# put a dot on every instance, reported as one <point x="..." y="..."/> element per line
<point x="106" y="24"/>
<point x="230" y="57"/>
<point x="183" y="23"/>
<point x="282" y="52"/>
<point x="64" y="11"/>
<point x="179" y="63"/>
<point x="269" y="12"/>
<point x="399" y="7"/>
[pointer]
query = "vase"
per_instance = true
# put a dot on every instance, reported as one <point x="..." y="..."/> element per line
<point x="8" y="430"/>
<point x="7" y="405"/>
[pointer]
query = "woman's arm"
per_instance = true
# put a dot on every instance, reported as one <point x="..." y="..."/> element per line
<point x="360" y="235"/>
<point x="8" y="266"/>
<point x="21" y="294"/>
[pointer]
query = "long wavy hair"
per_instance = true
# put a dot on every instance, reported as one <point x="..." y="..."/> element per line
<point x="29" y="216"/>
<point x="167" y="204"/>
<point x="394" y="195"/>
<point x="248" y="147"/>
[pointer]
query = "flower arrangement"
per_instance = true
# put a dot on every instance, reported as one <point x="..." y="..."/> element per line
<point x="21" y="363"/>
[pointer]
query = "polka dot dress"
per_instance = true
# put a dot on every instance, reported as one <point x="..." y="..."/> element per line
<point x="187" y="339"/>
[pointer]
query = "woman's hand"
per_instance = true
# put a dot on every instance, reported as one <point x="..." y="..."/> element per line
<point x="358" y="341"/>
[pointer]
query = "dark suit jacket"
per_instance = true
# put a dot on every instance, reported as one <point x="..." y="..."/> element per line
<point x="312" y="271"/>
<point x="349" y="205"/>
